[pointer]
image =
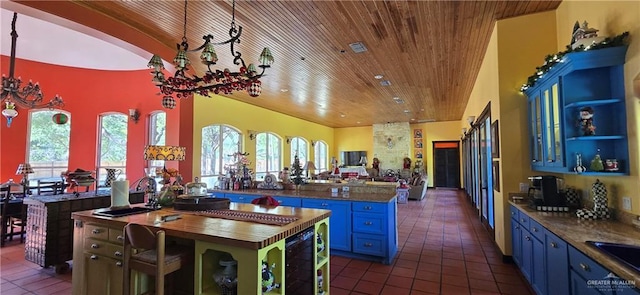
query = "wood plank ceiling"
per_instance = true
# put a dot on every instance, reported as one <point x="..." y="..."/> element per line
<point x="429" y="51"/>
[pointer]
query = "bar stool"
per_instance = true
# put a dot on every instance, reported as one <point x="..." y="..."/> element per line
<point x="153" y="257"/>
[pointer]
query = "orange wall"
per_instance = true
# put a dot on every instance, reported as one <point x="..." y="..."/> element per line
<point x="87" y="94"/>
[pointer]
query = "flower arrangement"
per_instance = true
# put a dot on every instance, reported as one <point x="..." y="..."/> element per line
<point x="167" y="173"/>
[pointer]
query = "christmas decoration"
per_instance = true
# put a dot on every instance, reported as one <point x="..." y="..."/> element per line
<point x="60" y="118"/>
<point x="296" y="174"/>
<point x="551" y="60"/>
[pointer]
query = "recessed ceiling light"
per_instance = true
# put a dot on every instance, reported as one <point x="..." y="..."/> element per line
<point x="413" y="119"/>
<point x="358" y="122"/>
<point x="284" y="90"/>
<point x="406" y="111"/>
<point x="378" y="77"/>
<point x="385" y="82"/>
<point x="342" y="115"/>
<point x="358" y="47"/>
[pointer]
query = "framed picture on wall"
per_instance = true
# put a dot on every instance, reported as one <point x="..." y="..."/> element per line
<point x="418" y="153"/>
<point x="496" y="176"/>
<point x="417" y="133"/>
<point x="495" y="141"/>
<point x="417" y="143"/>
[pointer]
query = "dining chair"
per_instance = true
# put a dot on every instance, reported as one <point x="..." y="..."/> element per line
<point x="13" y="216"/>
<point x="145" y="251"/>
<point x="50" y="187"/>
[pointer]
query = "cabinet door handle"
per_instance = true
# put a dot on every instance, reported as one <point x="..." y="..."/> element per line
<point x="120" y="238"/>
<point x="513" y="213"/>
<point x="554" y="245"/>
<point x="535" y="229"/>
<point x="585" y="267"/>
<point x="522" y="220"/>
<point x="324" y="204"/>
<point x="534" y="161"/>
<point x="517" y="227"/>
<point x="119" y="263"/>
<point x="550" y="161"/>
<point x="528" y="238"/>
<point x="367" y="208"/>
<point x="241" y="198"/>
<point x="118" y="254"/>
<point x="368" y="223"/>
<point x="96" y="231"/>
<point x="95" y="246"/>
<point x="368" y="244"/>
<point x="93" y="257"/>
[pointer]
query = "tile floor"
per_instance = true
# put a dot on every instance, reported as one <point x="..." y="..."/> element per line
<point x="443" y="249"/>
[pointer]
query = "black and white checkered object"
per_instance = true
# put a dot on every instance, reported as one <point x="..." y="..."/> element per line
<point x="573" y="197"/>
<point x="168" y="102"/>
<point x="600" y="203"/>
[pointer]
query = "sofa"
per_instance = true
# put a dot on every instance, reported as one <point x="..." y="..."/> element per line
<point x="418" y="189"/>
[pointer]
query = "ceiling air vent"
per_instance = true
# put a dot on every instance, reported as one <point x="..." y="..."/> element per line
<point x="385" y="83"/>
<point x="358" y="47"/>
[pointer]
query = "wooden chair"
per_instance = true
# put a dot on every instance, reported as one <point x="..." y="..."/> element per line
<point x="13" y="215"/>
<point x="143" y="249"/>
<point x="50" y="187"/>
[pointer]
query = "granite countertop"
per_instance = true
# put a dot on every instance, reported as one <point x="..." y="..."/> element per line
<point x="382" y="198"/>
<point x="576" y="232"/>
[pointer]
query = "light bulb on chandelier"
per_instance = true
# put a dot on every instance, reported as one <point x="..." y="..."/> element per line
<point x="216" y="81"/>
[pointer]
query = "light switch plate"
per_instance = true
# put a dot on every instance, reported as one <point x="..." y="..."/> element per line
<point x="626" y="203"/>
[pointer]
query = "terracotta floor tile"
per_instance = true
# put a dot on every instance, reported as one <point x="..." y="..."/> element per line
<point x="426" y="286"/>
<point x="381" y="268"/>
<point x="478" y="266"/>
<point x="483" y="285"/>
<point x="373" y="276"/>
<point x="344" y="282"/>
<point x="352" y="272"/>
<point x="368" y="287"/>
<point x="399" y="281"/>
<point x="338" y="291"/>
<point x="361" y="264"/>
<point x="403" y="272"/>
<point x="455" y="280"/>
<point x="413" y="264"/>
<point x="395" y="290"/>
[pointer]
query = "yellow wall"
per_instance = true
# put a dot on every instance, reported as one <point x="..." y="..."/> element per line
<point x="243" y="116"/>
<point x="433" y="132"/>
<point x="353" y="139"/>
<point x="611" y="18"/>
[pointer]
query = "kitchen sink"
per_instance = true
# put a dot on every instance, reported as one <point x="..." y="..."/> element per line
<point x="108" y="212"/>
<point x="627" y="254"/>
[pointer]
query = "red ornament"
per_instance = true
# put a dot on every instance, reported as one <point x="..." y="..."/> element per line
<point x="60" y="119"/>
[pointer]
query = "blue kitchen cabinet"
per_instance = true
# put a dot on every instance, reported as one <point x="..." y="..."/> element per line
<point x="557" y="268"/>
<point x="288" y="201"/>
<point x="589" y="80"/>
<point x="339" y="222"/>
<point x="240" y="198"/>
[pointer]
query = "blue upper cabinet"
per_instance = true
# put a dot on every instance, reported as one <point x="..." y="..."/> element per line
<point x="584" y="83"/>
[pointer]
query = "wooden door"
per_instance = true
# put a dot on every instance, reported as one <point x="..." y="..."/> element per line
<point x="446" y="157"/>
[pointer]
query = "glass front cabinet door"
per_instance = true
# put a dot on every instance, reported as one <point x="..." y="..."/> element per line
<point x="545" y="134"/>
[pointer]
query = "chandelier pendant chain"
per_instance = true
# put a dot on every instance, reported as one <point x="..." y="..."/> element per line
<point x="225" y="81"/>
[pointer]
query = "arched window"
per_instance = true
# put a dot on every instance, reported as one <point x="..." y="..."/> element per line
<point x="321" y="157"/>
<point x="299" y="147"/>
<point x="48" y="148"/>
<point x="112" y="146"/>
<point x="219" y="142"/>
<point x="268" y="154"/>
<point x="157" y="136"/>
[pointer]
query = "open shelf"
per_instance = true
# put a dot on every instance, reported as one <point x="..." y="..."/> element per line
<point x="595" y="102"/>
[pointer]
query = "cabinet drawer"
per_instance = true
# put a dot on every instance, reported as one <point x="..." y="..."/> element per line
<point x="240" y="198"/>
<point x="368" y="223"/>
<point x="536" y="229"/>
<point x="96" y="246"/>
<point x="96" y="232"/>
<point x="116" y="236"/>
<point x="368" y="244"/>
<point x="585" y="266"/>
<point x="369" y="207"/>
<point x="290" y="202"/>
<point x="523" y="219"/>
<point x="515" y="213"/>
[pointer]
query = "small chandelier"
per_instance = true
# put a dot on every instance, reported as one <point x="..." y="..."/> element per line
<point x="27" y="97"/>
<point x="216" y="81"/>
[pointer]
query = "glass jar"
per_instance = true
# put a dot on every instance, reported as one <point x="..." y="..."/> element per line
<point x="227" y="277"/>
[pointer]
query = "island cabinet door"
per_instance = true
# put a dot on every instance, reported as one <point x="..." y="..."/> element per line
<point x="102" y="275"/>
<point x="339" y="222"/>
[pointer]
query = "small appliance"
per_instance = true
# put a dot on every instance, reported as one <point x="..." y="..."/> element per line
<point x="546" y="190"/>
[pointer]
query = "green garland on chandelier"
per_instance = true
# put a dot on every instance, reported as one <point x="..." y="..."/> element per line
<point x="551" y="60"/>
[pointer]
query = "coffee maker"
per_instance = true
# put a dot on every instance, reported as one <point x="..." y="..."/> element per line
<point x="545" y="190"/>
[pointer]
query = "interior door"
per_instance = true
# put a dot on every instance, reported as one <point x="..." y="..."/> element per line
<point x="446" y="159"/>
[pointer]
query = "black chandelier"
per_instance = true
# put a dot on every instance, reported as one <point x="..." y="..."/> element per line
<point x="216" y="81"/>
<point x="27" y="97"/>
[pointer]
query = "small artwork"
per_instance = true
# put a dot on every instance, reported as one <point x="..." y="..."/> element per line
<point x="495" y="140"/>
<point x="496" y="176"/>
<point x="417" y="143"/>
<point x="417" y="133"/>
<point x="418" y="153"/>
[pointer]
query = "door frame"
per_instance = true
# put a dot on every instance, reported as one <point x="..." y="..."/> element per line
<point x="457" y="147"/>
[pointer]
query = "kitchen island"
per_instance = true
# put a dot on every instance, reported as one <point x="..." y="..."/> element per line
<point x="97" y="255"/>
<point x="363" y="222"/>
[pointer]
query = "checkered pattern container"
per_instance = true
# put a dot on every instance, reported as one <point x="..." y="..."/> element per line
<point x="600" y="203"/>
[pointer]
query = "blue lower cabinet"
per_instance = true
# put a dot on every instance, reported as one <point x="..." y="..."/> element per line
<point x="240" y="198"/>
<point x="587" y="276"/>
<point x="526" y="264"/>
<point x="557" y="268"/>
<point x="516" y="242"/>
<point x="580" y="286"/>
<point x="369" y="244"/>
<point x="289" y="202"/>
<point x="538" y="267"/>
<point x="339" y="222"/>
